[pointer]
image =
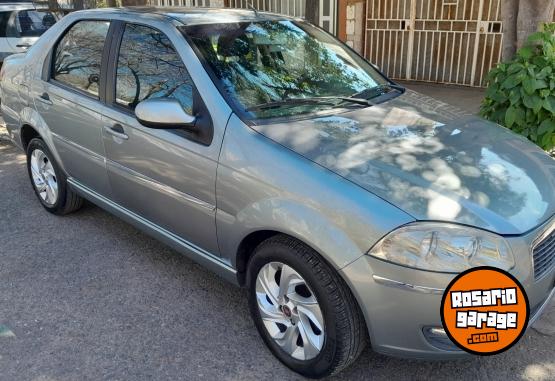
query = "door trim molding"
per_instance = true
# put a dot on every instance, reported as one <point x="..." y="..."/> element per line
<point x="153" y="184"/>
<point x="138" y="177"/>
<point x="190" y="250"/>
<point x="93" y="155"/>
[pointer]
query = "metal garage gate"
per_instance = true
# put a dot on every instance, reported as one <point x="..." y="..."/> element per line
<point x="187" y="3"/>
<point x="296" y="8"/>
<point x="287" y="7"/>
<point x="446" y="41"/>
<point x="327" y="16"/>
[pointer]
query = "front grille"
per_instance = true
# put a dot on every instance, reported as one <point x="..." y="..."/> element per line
<point x="544" y="256"/>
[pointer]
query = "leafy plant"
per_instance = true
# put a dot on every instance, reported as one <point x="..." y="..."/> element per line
<point x="521" y="93"/>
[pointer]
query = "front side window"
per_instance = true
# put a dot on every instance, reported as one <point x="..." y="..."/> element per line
<point x="280" y="61"/>
<point x="149" y="67"/>
<point x="78" y="56"/>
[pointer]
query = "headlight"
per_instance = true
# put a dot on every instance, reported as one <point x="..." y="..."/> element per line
<point x="444" y="247"/>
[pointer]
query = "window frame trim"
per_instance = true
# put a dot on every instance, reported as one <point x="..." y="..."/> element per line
<point x="50" y="67"/>
<point x="4" y="33"/>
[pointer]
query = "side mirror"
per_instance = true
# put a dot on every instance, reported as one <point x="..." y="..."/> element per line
<point x="163" y="113"/>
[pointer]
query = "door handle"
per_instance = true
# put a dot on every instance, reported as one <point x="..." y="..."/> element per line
<point x="45" y="98"/>
<point x="26" y="46"/>
<point x="117" y="131"/>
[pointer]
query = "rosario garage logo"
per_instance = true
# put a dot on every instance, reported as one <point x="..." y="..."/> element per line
<point x="485" y="311"/>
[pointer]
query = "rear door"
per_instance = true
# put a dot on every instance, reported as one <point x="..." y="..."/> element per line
<point x="70" y="102"/>
<point x="167" y="176"/>
<point x="25" y="26"/>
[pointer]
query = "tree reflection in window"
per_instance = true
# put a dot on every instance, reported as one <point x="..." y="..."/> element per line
<point x="267" y="61"/>
<point x="79" y="54"/>
<point x="149" y="67"/>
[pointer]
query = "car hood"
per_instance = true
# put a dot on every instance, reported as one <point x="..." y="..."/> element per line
<point x="431" y="160"/>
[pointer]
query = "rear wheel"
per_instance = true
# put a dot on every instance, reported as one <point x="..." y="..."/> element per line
<point x="302" y="308"/>
<point x="49" y="181"/>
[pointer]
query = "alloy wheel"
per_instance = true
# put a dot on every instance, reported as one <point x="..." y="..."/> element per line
<point x="44" y="177"/>
<point x="290" y="311"/>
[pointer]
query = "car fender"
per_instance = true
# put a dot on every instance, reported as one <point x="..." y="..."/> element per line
<point x="30" y="117"/>
<point x="299" y="221"/>
<point x="262" y="186"/>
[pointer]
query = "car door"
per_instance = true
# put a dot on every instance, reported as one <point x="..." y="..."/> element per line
<point x="164" y="175"/>
<point x="25" y="26"/>
<point x="69" y="100"/>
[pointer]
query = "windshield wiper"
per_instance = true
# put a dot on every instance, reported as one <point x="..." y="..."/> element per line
<point x="328" y="101"/>
<point x="376" y="91"/>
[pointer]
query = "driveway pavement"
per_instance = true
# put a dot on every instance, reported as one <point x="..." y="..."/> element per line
<point x="89" y="297"/>
<point x="466" y="98"/>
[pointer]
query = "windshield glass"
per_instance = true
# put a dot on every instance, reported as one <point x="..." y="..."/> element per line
<point x="265" y="62"/>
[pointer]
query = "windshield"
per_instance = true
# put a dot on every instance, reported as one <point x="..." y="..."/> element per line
<point x="269" y="62"/>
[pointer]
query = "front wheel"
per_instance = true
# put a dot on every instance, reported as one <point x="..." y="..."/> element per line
<point x="302" y="308"/>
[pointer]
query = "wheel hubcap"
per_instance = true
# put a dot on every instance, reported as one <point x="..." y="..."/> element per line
<point x="290" y="311"/>
<point x="44" y="177"/>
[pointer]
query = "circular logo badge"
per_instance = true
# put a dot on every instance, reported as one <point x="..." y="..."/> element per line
<point x="485" y="311"/>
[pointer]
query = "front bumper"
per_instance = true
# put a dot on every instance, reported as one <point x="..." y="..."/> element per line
<point x="402" y="305"/>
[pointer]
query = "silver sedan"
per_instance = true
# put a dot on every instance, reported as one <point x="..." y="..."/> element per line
<point x="271" y="153"/>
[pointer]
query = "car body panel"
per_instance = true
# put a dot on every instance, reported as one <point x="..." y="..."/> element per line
<point x="8" y="45"/>
<point x="17" y="44"/>
<point x="162" y="172"/>
<point x="164" y="169"/>
<point x="262" y="186"/>
<point x="432" y="161"/>
<point x="418" y="294"/>
<point x="11" y="103"/>
<point x="75" y="122"/>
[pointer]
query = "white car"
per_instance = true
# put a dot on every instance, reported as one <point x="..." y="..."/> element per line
<point x="21" y="25"/>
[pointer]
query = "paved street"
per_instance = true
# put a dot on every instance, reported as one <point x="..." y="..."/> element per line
<point x="88" y="297"/>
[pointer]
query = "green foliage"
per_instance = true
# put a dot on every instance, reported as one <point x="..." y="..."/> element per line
<point x="521" y="93"/>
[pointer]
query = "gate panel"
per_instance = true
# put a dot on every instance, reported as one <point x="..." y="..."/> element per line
<point x="387" y="35"/>
<point x="294" y="8"/>
<point x="449" y="41"/>
<point x="328" y="15"/>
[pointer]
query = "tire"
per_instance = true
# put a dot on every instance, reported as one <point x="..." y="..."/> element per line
<point x="344" y="335"/>
<point x="66" y="200"/>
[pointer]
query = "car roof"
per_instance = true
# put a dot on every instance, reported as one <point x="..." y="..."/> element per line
<point x="197" y="15"/>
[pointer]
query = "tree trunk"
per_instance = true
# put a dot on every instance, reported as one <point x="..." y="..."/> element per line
<point x="312" y="11"/>
<point x="53" y="5"/>
<point x="509" y="15"/>
<point x="531" y="14"/>
<point x="78" y="5"/>
<point x="111" y="3"/>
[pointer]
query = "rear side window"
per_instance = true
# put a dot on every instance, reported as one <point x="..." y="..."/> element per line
<point x="31" y="23"/>
<point x="149" y="67"/>
<point x="78" y="56"/>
